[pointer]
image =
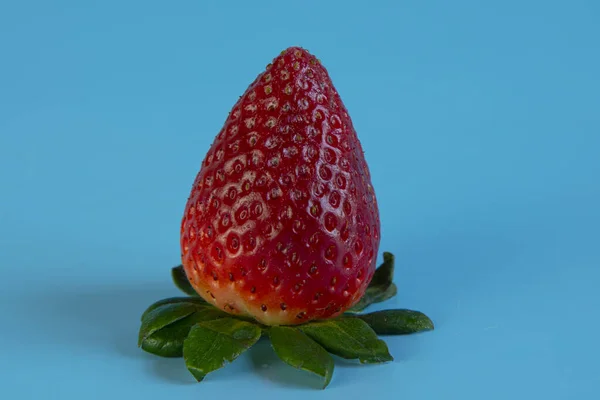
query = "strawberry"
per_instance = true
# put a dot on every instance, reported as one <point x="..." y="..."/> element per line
<point x="282" y="223"/>
<point x="279" y="237"/>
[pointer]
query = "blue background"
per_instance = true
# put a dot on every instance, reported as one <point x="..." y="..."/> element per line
<point x="481" y="126"/>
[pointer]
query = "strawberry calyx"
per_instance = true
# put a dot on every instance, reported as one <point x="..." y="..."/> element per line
<point x="207" y="337"/>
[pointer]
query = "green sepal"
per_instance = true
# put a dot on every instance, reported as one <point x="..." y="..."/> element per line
<point x="349" y="338"/>
<point x="373" y="295"/>
<point x="380" y="288"/>
<point x="397" y="322"/>
<point x="212" y="343"/>
<point x="174" y="300"/>
<point x="168" y="341"/>
<point x="163" y="316"/>
<point x="181" y="280"/>
<point x="298" y="350"/>
<point x="384" y="274"/>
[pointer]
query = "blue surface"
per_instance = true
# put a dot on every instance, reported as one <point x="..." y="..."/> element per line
<point x="481" y="127"/>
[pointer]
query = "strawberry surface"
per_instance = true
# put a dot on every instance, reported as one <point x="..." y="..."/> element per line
<point x="282" y="222"/>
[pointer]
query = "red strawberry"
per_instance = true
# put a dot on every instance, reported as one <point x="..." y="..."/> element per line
<point x="282" y="222"/>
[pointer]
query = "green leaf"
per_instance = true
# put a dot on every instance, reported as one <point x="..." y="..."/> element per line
<point x="381" y="287"/>
<point x="385" y="272"/>
<point x="168" y="341"/>
<point x="163" y="316"/>
<point x="211" y="343"/>
<point x="397" y="322"/>
<point x="349" y="338"/>
<point x="373" y="295"/>
<point x="300" y="351"/>
<point x="174" y="300"/>
<point x="181" y="280"/>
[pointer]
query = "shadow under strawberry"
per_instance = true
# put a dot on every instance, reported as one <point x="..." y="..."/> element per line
<point x="208" y="338"/>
